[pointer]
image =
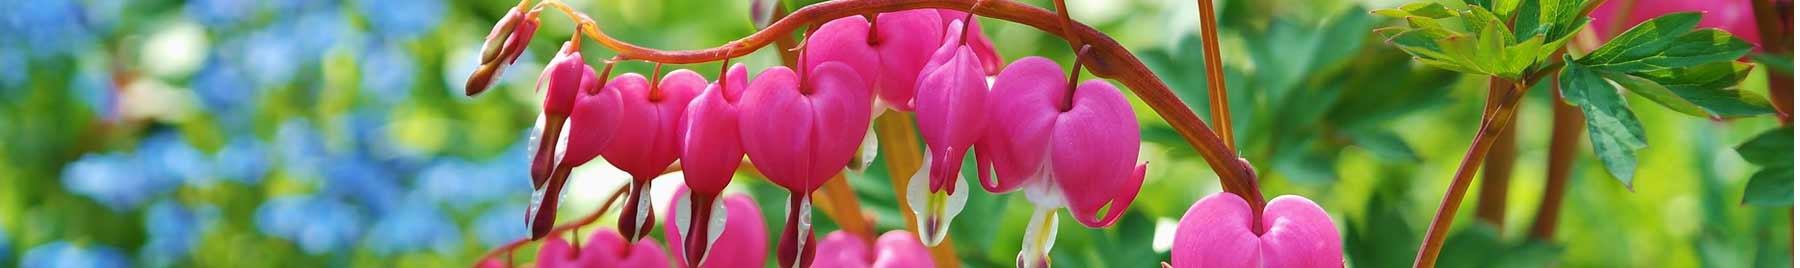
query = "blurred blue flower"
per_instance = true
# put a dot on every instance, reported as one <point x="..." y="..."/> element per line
<point x="62" y="254"/>
<point x="94" y="87"/>
<point x="403" y="19"/>
<point x="173" y="231"/>
<point x="243" y="160"/>
<point x="318" y="224"/>
<point x="314" y="33"/>
<point x="301" y="148"/>
<point x="361" y="179"/>
<point x="104" y="15"/>
<point x="387" y="72"/>
<point x="219" y="14"/>
<point x="501" y="224"/>
<point x="222" y="87"/>
<point x="169" y="157"/>
<point x="413" y="228"/>
<point x="46" y="28"/>
<point x="461" y="185"/>
<point x="114" y="180"/>
<point x="271" y="56"/>
<point x="12" y="58"/>
<point x="5" y="247"/>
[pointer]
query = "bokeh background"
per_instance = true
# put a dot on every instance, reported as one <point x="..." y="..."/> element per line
<point x="334" y="133"/>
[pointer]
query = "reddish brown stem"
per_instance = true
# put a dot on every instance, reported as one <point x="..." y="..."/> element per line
<point x="590" y="218"/>
<point x="1215" y="74"/>
<point x="1492" y="122"/>
<point x="1776" y="40"/>
<point x="1111" y="60"/>
<point x="1496" y="173"/>
<point x="1565" y="135"/>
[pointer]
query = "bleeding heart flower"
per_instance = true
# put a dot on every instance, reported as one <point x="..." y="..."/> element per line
<point x="649" y="138"/>
<point x="1216" y="232"/>
<point x="894" y="249"/>
<point x="905" y="40"/>
<point x="983" y="47"/>
<point x="843" y="40"/>
<point x="1735" y="16"/>
<point x="503" y="46"/>
<point x="711" y="150"/>
<point x="951" y="105"/>
<point x="799" y="131"/>
<point x="572" y="92"/>
<point x="743" y="237"/>
<point x="604" y="249"/>
<point x="1076" y="151"/>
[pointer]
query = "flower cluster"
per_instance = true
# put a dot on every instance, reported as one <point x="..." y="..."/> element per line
<point x="1065" y="145"/>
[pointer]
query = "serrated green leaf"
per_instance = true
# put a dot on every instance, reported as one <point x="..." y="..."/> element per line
<point x="1689" y="49"/>
<point x="1525" y="20"/>
<point x="1713" y="86"/>
<point x="1505" y="8"/>
<point x="1771" y="187"/>
<point x="1480" y="3"/>
<point x="1771" y="148"/>
<point x="1655" y="92"/>
<point x="1420" y="9"/>
<point x="1613" y="130"/>
<point x="1523" y="55"/>
<point x="1560" y="17"/>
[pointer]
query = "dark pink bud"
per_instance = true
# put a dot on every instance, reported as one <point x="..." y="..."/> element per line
<point x="742" y="240"/>
<point x="605" y="249"/>
<point x="502" y="47"/>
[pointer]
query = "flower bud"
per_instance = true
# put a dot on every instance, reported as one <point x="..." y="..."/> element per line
<point x="502" y="47"/>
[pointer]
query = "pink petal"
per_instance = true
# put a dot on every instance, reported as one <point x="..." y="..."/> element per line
<point x="606" y="248"/>
<point x="648" y="141"/>
<point x="592" y="122"/>
<point x="841" y="111"/>
<point x="844" y="40"/>
<point x="557" y="253"/>
<point x="950" y="92"/>
<point x="901" y="249"/>
<point x="904" y="40"/>
<point x="562" y="80"/>
<point x="744" y="243"/>
<point x="1215" y="232"/>
<point x="1300" y="235"/>
<point x="842" y="250"/>
<point x="1031" y="91"/>
<point x="711" y="149"/>
<point x="776" y="125"/>
<point x="984" y="47"/>
<point x="1095" y="153"/>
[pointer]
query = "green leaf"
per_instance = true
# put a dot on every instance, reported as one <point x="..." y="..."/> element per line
<point x="1655" y="92"/>
<point x="1432" y="10"/>
<point x="1561" y="17"/>
<point x="1613" y="130"/>
<point x="1505" y="8"/>
<point x="1712" y="86"/>
<point x="1665" y="42"/>
<point x="1771" y="187"/>
<point x="1771" y="148"/>
<point x="1384" y="144"/>
<point x="1779" y="63"/>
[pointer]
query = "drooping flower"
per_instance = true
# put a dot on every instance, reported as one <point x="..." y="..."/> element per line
<point x="502" y="47"/>
<point x="1065" y="147"/>
<point x="978" y="42"/>
<point x="894" y="249"/>
<point x="572" y="92"/>
<point x="1217" y="232"/>
<point x="605" y="249"/>
<point x="951" y="103"/>
<point x="799" y="131"/>
<point x="649" y="138"/>
<point x="742" y="239"/>
<point x="711" y="150"/>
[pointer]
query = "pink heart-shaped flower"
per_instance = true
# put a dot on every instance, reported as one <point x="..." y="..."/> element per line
<point x="904" y="40"/>
<point x="1735" y="16"/>
<point x="711" y="150"/>
<point x="983" y="47"/>
<point x="1216" y="232"/>
<point x="573" y="91"/>
<point x="605" y="249"/>
<point x="844" y="40"/>
<point x="744" y="241"/>
<point x="648" y="139"/>
<point x="952" y="97"/>
<point x="894" y="249"/>
<point x="800" y="132"/>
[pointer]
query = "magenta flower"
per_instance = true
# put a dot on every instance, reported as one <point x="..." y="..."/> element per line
<point x="605" y="249"/>
<point x="799" y="130"/>
<point x="1064" y="148"/>
<point x="1216" y="232"/>
<point x="649" y="138"/>
<point x="951" y="105"/>
<point x="983" y="47"/>
<point x="743" y="238"/>
<point x="503" y="46"/>
<point x="894" y="249"/>
<point x="572" y="91"/>
<point x="711" y="151"/>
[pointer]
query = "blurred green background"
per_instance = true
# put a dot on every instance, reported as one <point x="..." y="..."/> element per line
<point x="307" y="133"/>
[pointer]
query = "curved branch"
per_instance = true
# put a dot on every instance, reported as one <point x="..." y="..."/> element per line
<point x="1111" y="60"/>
